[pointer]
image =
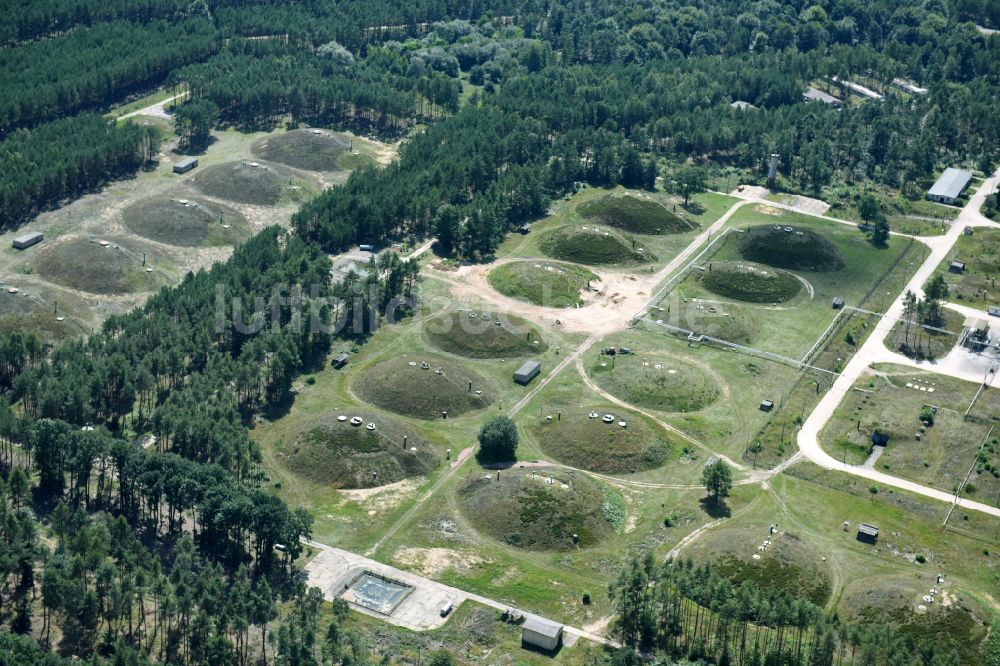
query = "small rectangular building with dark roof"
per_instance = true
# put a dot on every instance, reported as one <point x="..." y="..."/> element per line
<point x="527" y="372"/>
<point x="185" y="165"/>
<point x="957" y="267"/>
<point x="868" y="533"/>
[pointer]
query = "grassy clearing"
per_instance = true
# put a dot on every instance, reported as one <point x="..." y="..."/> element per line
<point x="536" y="509"/>
<point x="730" y="423"/>
<point x="412" y="390"/>
<point x="556" y="286"/>
<point x="40" y="310"/>
<point x="482" y="337"/>
<point x="725" y="321"/>
<point x="977" y="286"/>
<point x="312" y="150"/>
<point x="594" y="246"/>
<point x="566" y="213"/>
<point x="868" y="273"/>
<point x="577" y="439"/>
<point x="790" y="248"/>
<point x="887" y="581"/>
<point x="937" y="455"/>
<point x="117" y="268"/>
<point x="262" y="185"/>
<point x="339" y="454"/>
<point x="915" y="341"/>
<point x="473" y="635"/>
<point x="186" y="222"/>
<point x="789" y="564"/>
<point x="664" y="384"/>
<point x="753" y="284"/>
<point x="634" y="214"/>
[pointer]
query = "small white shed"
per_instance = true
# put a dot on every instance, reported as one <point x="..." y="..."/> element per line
<point x="541" y="634"/>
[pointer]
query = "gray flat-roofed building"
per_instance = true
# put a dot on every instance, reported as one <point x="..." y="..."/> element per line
<point x="743" y="106"/>
<point x="527" y="372"/>
<point x="25" y="241"/>
<point x="949" y="186"/>
<point x="814" y="95"/>
<point x="957" y="267"/>
<point x="542" y="634"/>
<point x="185" y="165"/>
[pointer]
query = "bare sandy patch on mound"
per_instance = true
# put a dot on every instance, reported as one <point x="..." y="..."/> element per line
<point x="432" y="562"/>
<point x="382" y="499"/>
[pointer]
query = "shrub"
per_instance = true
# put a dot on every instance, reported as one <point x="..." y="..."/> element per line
<point x="586" y="598"/>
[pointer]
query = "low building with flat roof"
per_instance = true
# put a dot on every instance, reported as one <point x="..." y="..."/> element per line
<point x="25" y="241"/>
<point x="949" y="186"/>
<point x="814" y="95"/>
<point x="527" y="372"/>
<point x="541" y="634"/>
<point x="185" y="165"/>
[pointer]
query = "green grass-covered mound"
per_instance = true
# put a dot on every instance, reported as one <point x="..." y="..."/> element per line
<point x="631" y="213"/>
<point x="550" y="285"/>
<point x="753" y="284"/>
<point x="481" y="336"/>
<point x="525" y="510"/>
<point x="893" y="600"/>
<point x="78" y="263"/>
<point x="787" y="564"/>
<point x="243" y="183"/>
<point x="582" y="244"/>
<point x="725" y="321"/>
<point x="186" y="222"/>
<point x="305" y="149"/>
<point x="577" y="440"/>
<point x="399" y="387"/>
<point x="342" y="455"/>
<point x="797" y="250"/>
<point x="664" y="384"/>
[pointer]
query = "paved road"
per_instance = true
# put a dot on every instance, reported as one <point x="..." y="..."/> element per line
<point x="333" y="569"/>
<point x="874" y="351"/>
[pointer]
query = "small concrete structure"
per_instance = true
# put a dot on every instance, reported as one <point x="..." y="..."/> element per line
<point x="541" y="634"/>
<point x="957" y="267"/>
<point x="742" y="106"/>
<point x="838" y="303"/>
<point x="185" y="165"/>
<point x="813" y="95"/>
<point x="527" y="372"/>
<point x="949" y="186"/>
<point x="868" y="533"/>
<point x="766" y="405"/>
<point x="340" y="360"/>
<point x="24" y="241"/>
<point x="909" y="87"/>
